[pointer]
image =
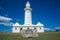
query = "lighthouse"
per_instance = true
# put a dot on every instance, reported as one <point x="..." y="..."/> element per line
<point x="28" y="17"/>
<point x="17" y="28"/>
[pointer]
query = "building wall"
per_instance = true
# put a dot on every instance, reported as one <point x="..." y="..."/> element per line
<point x="31" y="27"/>
<point x="18" y="29"/>
<point x="40" y="29"/>
<point x="24" y="28"/>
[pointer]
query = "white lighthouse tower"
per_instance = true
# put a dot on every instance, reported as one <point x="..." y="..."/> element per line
<point x="28" y="17"/>
<point x="17" y="28"/>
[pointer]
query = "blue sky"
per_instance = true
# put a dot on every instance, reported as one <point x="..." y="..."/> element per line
<point x="45" y="11"/>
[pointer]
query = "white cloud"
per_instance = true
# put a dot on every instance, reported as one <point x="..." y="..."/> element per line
<point x="57" y="27"/>
<point x="5" y="18"/>
<point x="47" y="29"/>
<point x="8" y="24"/>
<point x="5" y="21"/>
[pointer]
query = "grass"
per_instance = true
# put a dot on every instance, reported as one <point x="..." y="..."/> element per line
<point x="42" y="36"/>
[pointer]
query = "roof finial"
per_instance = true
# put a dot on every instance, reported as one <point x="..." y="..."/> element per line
<point x="27" y="4"/>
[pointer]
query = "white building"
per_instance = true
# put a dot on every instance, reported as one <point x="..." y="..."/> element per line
<point x="28" y="22"/>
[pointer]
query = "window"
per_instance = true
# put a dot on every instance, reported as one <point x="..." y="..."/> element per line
<point x="34" y="28"/>
<point x="21" y="29"/>
<point x="28" y="27"/>
<point x="40" y="27"/>
<point x="15" y="28"/>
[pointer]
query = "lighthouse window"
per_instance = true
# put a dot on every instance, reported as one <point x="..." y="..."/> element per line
<point x="34" y="28"/>
<point x="21" y="29"/>
<point x="28" y="27"/>
<point x="15" y="28"/>
<point x="40" y="27"/>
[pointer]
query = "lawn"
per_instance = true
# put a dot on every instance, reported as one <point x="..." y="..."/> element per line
<point x="42" y="36"/>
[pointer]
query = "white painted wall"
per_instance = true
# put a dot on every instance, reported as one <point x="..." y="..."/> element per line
<point x="40" y="30"/>
<point x="24" y="28"/>
<point x="16" y="30"/>
<point x="31" y="27"/>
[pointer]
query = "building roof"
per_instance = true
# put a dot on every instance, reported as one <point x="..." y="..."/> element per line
<point x="16" y="24"/>
<point x="27" y="4"/>
<point x="39" y="24"/>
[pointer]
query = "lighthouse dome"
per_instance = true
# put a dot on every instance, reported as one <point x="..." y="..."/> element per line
<point x="28" y="4"/>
